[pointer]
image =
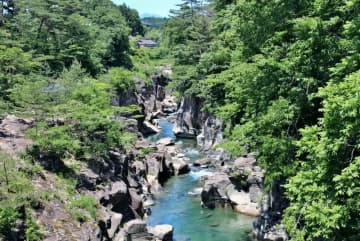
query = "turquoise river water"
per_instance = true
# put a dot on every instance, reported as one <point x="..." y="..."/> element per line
<point x="190" y="221"/>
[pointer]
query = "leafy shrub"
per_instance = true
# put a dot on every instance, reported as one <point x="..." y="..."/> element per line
<point x="8" y="216"/>
<point x="84" y="202"/>
<point x="33" y="231"/>
<point x="146" y="150"/>
<point x="121" y="79"/>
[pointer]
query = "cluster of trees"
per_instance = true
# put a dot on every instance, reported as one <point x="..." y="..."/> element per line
<point x="60" y="64"/>
<point x="283" y="75"/>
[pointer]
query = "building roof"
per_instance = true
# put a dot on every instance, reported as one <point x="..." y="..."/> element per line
<point x="146" y="42"/>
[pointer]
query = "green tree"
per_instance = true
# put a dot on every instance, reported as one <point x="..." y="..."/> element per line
<point x="133" y="19"/>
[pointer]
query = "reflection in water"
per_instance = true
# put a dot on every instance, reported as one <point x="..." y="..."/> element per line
<point x="176" y="207"/>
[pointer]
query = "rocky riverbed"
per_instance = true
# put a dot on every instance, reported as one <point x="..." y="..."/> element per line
<point x="179" y="202"/>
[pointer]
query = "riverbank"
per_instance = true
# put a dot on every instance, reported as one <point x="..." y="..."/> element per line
<point x="178" y="203"/>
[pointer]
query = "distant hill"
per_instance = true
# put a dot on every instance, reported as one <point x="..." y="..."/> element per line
<point x="150" y="15"/>
<point x="154" y="22"/>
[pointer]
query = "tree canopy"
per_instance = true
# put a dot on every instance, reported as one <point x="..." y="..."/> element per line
<point x="283" y="77"/>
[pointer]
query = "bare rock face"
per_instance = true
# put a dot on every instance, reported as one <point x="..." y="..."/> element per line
<point x="214" y="190"/>
<point x="268" y="226"/>
<point x="124" y="99"/>
<point x="12" y="137"/>
<point x="155" y="102"/>
<point x="163" y="232"/>
<point x="149" y="128"/>
<point x="189" y="117"/>
<point x="244" y="162"/>
<point x="169" y="105"/>
<point x="240" y="185"/>
<point x="242" y="202"/>
<point x="211" y="133"/>
<point x="180" y="165"/>
<point x="135" y="226"/>
<point x="136" y="201"/>
<point x="118" y="193"/>
<point x="136" y="230"/>
<point x="87" y="179"/>
<point x="110" y="223"/>
<point x="58" y="224"/>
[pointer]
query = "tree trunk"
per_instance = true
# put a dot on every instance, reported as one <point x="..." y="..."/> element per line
<point x="6" y="174"/>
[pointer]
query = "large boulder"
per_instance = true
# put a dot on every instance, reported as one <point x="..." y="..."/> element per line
<point x="242" y="203"/>
<point x="204" y="163"/>
<point x="148" y="128"/>
<point x="135" y="226"/>
<point x="135" y="230"/>
<point x="163" y="232"/>
<point x="248" y="161"/>
<point x="110" y="223"/>
<point x="180" y="166"/>
<point x="88" y="179"/>
<point x="214" y="190"/>
<point x="114" y="194"/>
<point x="118" y="193"/>
<point x="167" y="141"/>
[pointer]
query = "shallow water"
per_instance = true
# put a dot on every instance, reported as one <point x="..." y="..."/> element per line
<point x="191" y="222"/>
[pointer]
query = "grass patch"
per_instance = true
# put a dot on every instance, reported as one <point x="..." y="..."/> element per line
<point x="84" y="203"/>
<point x="146" y="150"/>
<point x="33" y="231"/>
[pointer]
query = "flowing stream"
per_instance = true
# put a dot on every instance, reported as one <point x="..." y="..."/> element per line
<point x="177" y="207"/>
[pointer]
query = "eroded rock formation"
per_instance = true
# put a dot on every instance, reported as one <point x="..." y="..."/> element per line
<point x="239" y="185"/>
<point x="189" y="117"/>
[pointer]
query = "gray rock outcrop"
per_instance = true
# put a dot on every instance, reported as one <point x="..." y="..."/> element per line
<point x="163" y="232"/>
<point x="268" y="226"/>
<point x="215" y="189"/>
<point x="211" y="133"/>
<point x="239" y="185"/>
<point x="189" y="117"/>
<point x="12" y="137"/>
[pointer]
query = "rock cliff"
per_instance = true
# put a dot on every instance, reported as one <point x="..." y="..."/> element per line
<point x="238" y="183"/>
<point x="154" y="102"/>
<point x="189" y="118"/>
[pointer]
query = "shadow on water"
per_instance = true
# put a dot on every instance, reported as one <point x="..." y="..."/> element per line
<point x="191" y="222"/>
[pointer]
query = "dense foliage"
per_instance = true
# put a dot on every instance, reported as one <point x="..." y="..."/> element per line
<point x="61" y="62"/>
<point x="283" y="77"/>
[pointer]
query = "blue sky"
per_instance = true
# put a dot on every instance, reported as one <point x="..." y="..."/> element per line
<point x="156" y="7"/>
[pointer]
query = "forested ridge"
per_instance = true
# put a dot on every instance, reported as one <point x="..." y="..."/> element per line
<point x="61" y="63"/>
<point x="283" y="76"/>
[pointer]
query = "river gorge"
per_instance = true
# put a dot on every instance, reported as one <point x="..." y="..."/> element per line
<point x="179" y="205"/>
